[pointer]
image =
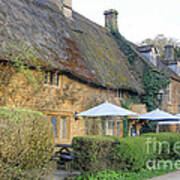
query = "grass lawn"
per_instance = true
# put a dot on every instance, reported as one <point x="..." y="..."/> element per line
<point x="118" y="175"/>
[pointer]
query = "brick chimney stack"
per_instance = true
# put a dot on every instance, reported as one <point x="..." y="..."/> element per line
<point x="111" y="19"/>
<point x="169" y="53"/>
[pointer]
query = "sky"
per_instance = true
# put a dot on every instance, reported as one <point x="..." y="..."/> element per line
<point x="137" y="19"/>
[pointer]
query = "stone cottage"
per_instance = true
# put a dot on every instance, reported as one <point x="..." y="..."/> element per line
<point x="82" y="63"/>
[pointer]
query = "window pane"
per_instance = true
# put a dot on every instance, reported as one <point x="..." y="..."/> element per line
<point x="110" y="128"/>
<point x="46" y="77"/>
<point x="51" y="77"/>
<point x="63" y="128"/>
<point x="118" y="129"/>
<point x="57" y="79"/>
<point x="122" y="94"/>
<point x="119" y="93"/>
<point x="169" y="92"/>
<point x="54" y="122"/>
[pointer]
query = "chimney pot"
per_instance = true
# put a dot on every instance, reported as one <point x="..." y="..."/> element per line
<point x="111" y="19"/>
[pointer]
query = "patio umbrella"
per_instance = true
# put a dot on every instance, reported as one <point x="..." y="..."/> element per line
<point x="169" y="123"/>
<point x="178" y="115"/>
<point x="107" y="109"/>
<point x="157" y="115"/>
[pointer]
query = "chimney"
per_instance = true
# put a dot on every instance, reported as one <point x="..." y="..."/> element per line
<point x="67" y="8"/>
<point x="111" y="19"/>
<point x="169" y="53"/>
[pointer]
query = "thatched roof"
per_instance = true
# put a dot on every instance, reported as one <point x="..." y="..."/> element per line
<point x="80" y="47"/>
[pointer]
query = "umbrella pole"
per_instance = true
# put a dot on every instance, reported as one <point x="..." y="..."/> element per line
<point x="106" y="125"/>
<point x="115" y="128"/>
<point x="157" y="128"/>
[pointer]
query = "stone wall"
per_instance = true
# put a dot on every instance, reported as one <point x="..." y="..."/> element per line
<point x="140" y="109"/>
<point x="172" y="102"/>
<point x="64" y="100"/>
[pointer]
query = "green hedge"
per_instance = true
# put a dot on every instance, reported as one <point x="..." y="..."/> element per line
<point x="92" y="152"/>
<point x="26" y="144"/>
<point x="164" y="144"/>
<point x="131" y="154"/>
<point x="127" y="154"/>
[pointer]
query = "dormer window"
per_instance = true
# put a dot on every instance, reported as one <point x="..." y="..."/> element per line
<point x="51" y="78"/>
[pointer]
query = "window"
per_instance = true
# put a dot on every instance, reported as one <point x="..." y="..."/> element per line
<point x="57" y="79"/>
<point x="54" y="122"/>
<point x="169" y="93"/>
<point x="110" y="127"/>
<point x="61" y="126"/>
<point x="122" y="94"/>
<point x="51" y="78"/>
<point x="64" y="127"/>
<point x="119" y="93"/>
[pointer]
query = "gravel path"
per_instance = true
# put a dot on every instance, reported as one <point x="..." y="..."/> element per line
<point x="170" y="176"/>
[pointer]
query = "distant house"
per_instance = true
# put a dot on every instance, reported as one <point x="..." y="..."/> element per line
<point x="171" y="65"/>
<point x="83" y="63"/>
<point x="171" y="58"/>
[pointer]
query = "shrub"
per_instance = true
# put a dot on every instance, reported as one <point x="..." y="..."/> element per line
<point x="164" y="144"/>
<point x="26" y="144"/>
<point x="128" y="154"/>
<point x="92" y="152"/>
<point x="131" y="154"/>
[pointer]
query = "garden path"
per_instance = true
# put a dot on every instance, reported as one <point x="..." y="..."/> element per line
<point x="60" y="175"/>
<point x="170" y="176"/>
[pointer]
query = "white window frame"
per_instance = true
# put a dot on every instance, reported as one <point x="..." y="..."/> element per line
<point x="169" y="93"/>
